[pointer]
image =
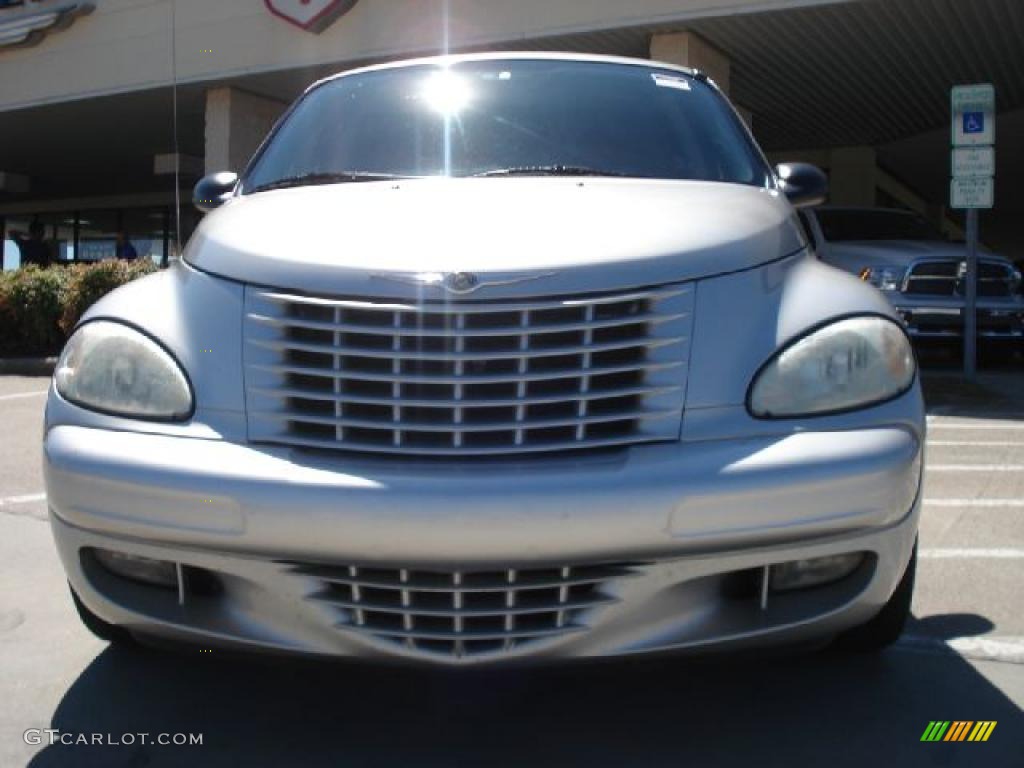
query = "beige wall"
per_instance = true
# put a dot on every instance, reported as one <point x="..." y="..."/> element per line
<point x="126" y="44"/>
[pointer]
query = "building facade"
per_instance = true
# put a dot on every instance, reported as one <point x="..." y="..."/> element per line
<point x="111" y="110"/>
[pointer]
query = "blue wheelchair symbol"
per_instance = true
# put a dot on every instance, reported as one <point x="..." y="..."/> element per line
<point x="974" y="122"/>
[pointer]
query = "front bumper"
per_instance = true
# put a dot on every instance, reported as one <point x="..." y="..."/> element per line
<point x="943" y="318"/>
<point x="694" y="524"/>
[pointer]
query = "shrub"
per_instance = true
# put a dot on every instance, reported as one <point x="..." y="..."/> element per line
<point x="38" y="307"/>
<point x="90" y="283"/>
<point x="30" y="308"/>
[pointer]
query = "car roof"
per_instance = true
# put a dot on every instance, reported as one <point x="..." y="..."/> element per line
<point x="448" y="60"/>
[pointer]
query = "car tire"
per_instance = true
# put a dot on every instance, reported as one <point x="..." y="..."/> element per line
<point x="102" y="629"/>
<point x="886" y="627"/>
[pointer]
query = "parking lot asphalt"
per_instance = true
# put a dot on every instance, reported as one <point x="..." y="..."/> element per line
<point x="961" y="658"/>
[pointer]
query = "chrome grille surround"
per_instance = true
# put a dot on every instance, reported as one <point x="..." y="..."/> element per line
<point x="463" y="378"/>
<point x="945" y="277"/>
<point x="462" y="614"/>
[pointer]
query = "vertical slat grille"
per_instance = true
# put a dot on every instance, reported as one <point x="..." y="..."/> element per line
<point x="945" y="277"/>
<point x="467" y="378"/>
<point x="463" y="613"/>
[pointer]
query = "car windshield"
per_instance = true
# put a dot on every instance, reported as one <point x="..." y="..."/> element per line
<point x="509" y="118"/>
<point x="837" y="226"/>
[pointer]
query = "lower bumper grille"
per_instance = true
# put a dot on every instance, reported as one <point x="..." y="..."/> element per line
<point x="457" y="614"/>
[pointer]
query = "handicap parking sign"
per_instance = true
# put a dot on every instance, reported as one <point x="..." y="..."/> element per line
<point x="974" y="122"/>
<point x="974" y="115"/>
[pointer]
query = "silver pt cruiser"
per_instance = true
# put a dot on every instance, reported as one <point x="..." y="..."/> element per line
<point x="493" y="358"/>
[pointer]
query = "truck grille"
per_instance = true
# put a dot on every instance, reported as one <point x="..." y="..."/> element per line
<point x="467" y="378"/>
<point x="456" y="614"/>
<point x="946" y="278"/>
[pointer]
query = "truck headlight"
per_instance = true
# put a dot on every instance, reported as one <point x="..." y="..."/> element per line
<point x="851" y="363"/>
<point x="113" y="368"/>
<point x="885" y="278"/>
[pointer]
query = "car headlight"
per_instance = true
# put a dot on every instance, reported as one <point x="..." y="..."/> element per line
<point x="113" y="368"/>
<point x="885" y="278"/>
<point x="851" y="363"/>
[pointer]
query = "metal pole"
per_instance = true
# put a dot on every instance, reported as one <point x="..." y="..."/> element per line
<point x="971" y="298"/>
<point x="167" y="238"/>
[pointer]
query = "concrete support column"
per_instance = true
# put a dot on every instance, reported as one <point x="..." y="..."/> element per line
<point x="853" y="177"/>
<point x="236" y="123"/>
<point x="688" y="49"/>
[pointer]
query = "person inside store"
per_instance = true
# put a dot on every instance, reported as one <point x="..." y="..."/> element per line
<point x="34" y="250"/>
<point x="123" y="249"/>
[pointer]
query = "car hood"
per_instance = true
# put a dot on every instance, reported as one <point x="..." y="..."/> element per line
<point x="565" y="235"/>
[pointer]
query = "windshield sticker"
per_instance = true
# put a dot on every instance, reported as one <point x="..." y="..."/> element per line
<point x="670" y="81"/>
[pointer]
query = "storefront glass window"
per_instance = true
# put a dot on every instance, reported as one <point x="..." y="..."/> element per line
<point x="96" y="237"/>
<point x="145" y="229"/>
<point x="92" y="235"/>
<point x="41" y="238"/>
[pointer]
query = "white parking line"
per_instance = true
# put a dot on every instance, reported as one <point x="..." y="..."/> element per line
<point x="24" y="506"/>
<point x="977" y="443"/>
<point x="942" y="412"/>
<point x="30" y="498"/>
<point x="985" y="503"/>
<point x="961" y="425"/>
<point x="23" y="395"/>
<point x="975" y="467"/>
<point x="972" y="554"/>
<point x="1005" y="649"/>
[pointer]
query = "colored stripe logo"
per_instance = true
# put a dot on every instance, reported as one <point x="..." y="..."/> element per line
<point x="958" y="730"/>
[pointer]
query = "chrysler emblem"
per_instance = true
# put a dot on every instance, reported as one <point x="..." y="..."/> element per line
<point x="459" y="283"/>
<point x="310" y="15"/>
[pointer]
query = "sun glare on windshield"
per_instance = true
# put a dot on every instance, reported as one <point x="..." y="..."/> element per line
<point x="446" y="92"/>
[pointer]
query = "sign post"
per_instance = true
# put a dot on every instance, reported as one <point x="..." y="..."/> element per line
<point x="972" y="189"/>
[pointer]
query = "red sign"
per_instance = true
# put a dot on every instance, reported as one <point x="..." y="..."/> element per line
<point x="311" y="15"/>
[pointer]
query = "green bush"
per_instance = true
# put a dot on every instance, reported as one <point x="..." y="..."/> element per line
<point x="31" y="303"/>
<point x="38" y="307"/>
<point x="90" y="283"/>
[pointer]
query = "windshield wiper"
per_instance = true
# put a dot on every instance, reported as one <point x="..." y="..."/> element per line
<point x="311" y="179"/>
<point x="548" y="170"/>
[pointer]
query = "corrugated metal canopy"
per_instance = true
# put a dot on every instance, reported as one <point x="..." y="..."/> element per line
<point x="860" y="72"/>
<point x="854" y="72"/>
<point x="867" y="72"/>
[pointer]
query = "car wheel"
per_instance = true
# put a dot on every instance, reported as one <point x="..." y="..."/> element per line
<point x="885" y="628"/>
<point x="102" y="629"/>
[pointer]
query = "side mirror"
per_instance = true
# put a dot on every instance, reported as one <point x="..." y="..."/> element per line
<point x="805" y="185"/>
<point x="214" y="190"/>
